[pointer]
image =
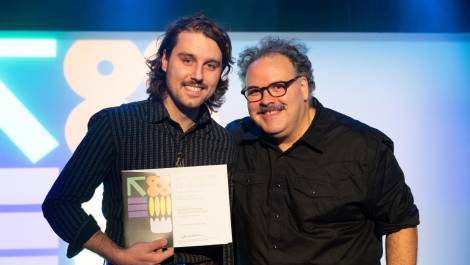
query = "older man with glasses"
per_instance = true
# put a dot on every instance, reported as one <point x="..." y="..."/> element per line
<point x="311" y="185"/>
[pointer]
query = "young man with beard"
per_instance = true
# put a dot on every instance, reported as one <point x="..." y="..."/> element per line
<point x="187" y="80"/>
<point x="311" y="185"/>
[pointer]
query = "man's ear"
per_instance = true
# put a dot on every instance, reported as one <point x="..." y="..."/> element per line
<point x="304" y="88"/>
<point x="164" y="61"/>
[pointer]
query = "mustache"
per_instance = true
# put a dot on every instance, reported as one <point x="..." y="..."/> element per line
<point x="271" y="107"/>
<point x="195" y="84"/>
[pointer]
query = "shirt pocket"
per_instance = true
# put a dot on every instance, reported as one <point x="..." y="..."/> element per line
<point x="249" y="191"/>
<point x="312" y="200"/>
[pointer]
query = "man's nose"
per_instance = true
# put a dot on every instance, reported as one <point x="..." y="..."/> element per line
<point x="197" y="73"/>
<point x="267" y="98"/>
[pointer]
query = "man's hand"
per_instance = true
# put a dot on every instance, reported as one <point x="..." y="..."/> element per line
<point x="145" y="253"/>
<point x="402" y="247"/>
<point x="139" y="254"/>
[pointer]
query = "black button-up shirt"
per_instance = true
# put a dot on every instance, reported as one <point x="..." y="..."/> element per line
<point x="328" y="199"/>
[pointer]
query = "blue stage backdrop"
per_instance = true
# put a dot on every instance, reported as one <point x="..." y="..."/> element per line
<point x="413" y="87"/>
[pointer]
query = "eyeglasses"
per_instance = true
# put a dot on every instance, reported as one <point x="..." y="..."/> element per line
<point x="276" y="89"/>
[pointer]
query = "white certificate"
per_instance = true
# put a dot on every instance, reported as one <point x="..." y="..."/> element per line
<point x="189" y="206"/>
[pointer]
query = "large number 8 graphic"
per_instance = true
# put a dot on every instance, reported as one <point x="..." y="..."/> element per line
<point x="100" y="90"/>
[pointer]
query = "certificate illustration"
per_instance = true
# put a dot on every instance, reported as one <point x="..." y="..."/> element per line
<point x="188" y="206"/>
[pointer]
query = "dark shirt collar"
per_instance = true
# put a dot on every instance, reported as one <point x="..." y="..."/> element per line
<point x="312" y="137"/>
<point x="156" y="113"/>
<point x="316" y="131"/>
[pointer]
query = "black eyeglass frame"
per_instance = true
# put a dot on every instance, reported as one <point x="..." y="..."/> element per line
<point x="286" y="84"/>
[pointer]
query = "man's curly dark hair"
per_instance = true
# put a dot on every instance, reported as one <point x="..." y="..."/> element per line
<point x="291" y="48"/>
<point x="201" y="24"/>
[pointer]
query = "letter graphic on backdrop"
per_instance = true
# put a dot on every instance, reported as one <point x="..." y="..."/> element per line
<point x="19" y="125"/>
<point x="99" y="89"/>
<point x="15" y="119"/>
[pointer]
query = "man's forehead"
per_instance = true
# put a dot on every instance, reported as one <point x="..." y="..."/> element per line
<point x="270" y="68"/>
<point x="192" y="42"/>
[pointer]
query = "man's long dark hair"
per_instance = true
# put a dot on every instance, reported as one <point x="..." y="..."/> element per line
<point x="200" y="23"/>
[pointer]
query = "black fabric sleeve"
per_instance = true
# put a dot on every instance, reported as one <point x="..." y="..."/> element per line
<point x="76" y="184"/>
<point x="394" y="207"/>
<point x="83" y="234"/>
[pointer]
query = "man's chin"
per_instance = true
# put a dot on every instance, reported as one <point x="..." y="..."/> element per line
<point x="269" y="127"/>
<point x="189" y="106"/>
<point x="272" y="132"/>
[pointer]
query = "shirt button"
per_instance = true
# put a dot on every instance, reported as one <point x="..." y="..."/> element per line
<point x="276" y="216"/>
<point x="277" y="186"/>
<point x="275" y="247"/>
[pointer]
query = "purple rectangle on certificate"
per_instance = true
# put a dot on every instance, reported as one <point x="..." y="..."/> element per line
<point x="135" y="214"/>
<point x="137" y="207"/>
<point x="136" y="200"/>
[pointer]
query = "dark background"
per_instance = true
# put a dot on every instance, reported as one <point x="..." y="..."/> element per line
<point x="437" y="16"/>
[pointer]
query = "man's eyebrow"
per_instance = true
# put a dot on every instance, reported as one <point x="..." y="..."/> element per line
<point x="190" y="55"/>
<point x="252" y="87"/>
<point x="270" y="84"/>
<point x="185" y="54"/>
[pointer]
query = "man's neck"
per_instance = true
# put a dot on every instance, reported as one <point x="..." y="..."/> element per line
<point x="183" y="116"/>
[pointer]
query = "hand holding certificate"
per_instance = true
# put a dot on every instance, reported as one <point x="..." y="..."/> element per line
<point x="188" y="206"/>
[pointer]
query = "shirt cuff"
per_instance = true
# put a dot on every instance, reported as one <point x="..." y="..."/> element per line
<point x="390" y="229"/>
<point x="88" y="229"/>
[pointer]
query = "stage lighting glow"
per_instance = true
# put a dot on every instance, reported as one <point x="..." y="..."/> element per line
<point x="28" y="47"/>
<point x="23" y="128"/>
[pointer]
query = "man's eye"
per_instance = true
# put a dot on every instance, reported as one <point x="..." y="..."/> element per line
<point x="278" y="86"/>
<point x="187" y="60"/>
<point x="253" y="91"/>
<point x="212" y="66"/>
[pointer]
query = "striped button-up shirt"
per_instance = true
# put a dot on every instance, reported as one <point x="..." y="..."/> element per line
<point x="138" y="135"/>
